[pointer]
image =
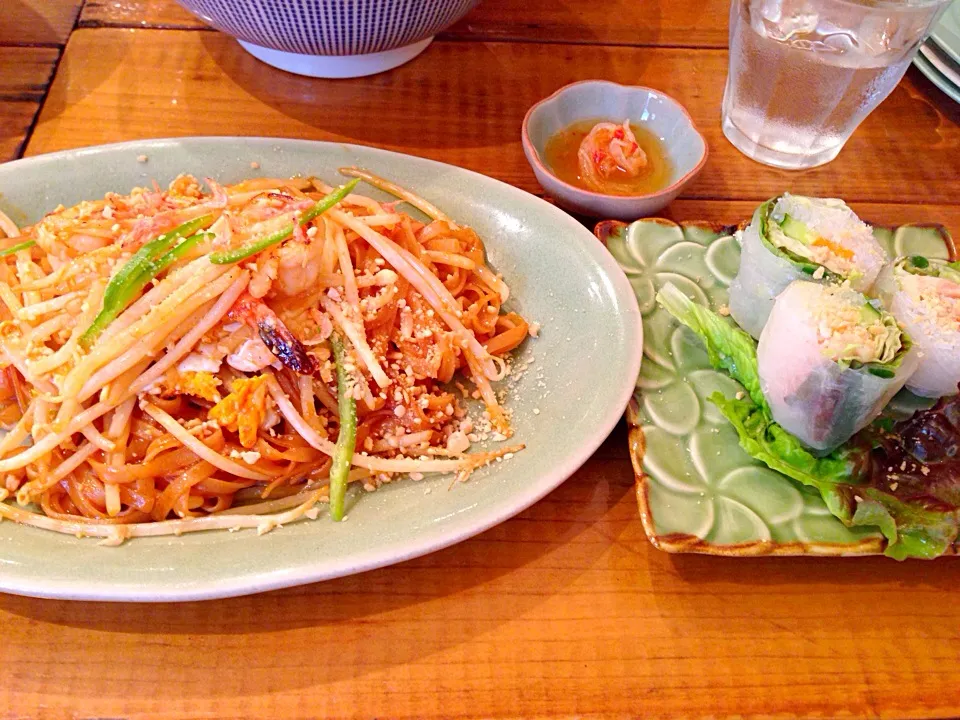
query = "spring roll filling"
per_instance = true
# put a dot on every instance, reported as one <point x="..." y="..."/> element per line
<point x="825" y="236"/>
<point x="934" y="286"/>
<point x="851" y="331"/>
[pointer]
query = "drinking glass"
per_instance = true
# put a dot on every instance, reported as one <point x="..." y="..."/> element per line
<point x="804" y="74"/>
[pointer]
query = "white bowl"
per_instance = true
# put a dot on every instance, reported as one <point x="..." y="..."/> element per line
<point x="665" y="117"/>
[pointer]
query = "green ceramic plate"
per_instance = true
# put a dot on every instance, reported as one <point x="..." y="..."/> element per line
<point x="925" y="64"/>
<point x="697" y="490"/>
<point x="560" y="276"/>
<point x="946" y="33"/>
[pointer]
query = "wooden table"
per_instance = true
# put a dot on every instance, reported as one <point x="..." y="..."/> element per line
<point x="566" y="610"/>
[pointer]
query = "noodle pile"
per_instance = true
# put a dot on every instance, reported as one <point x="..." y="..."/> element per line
<point x="208" y="399"/>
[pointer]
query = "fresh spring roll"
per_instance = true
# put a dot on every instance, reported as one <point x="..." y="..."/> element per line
<point x="795" y="238"/>
<point x="924" y="294"/>
<point x="829" y="361"/>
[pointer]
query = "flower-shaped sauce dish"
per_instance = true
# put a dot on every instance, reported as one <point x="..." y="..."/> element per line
<point x="556" y="128"/>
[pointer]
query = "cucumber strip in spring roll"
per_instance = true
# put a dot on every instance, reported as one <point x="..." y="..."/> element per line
<point x="829" y="361"/>
<point x="800" y="238"/>
<point x="924" y="294"/>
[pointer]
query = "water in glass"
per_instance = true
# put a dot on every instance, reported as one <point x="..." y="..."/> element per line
<point x="803" y="74"/>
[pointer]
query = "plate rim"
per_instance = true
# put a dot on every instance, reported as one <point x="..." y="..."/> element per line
<point x="947" y="36"/>
<point x="935" y="55"/>
<point x="942" y="83"/>
<point x="431" y="540"/>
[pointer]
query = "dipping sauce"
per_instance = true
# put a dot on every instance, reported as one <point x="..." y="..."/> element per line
<point x="563" y="156"/>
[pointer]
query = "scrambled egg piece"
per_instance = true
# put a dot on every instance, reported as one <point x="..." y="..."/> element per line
<point x="199" y="384"/>
<point x="244" y="409"/>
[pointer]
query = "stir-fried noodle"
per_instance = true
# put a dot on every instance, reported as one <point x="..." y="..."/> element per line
<point x="168" y="356"/>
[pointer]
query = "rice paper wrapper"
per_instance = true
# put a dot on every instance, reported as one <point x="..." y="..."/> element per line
<point x="811" y="396"/>
<point x="938" y="348"/>
<point x="762" y="276"/>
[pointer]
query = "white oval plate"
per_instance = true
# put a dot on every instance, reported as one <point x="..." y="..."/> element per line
<point x="584" y="366"/>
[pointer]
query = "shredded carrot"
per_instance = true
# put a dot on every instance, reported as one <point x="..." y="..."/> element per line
<point x="835" y="248"/>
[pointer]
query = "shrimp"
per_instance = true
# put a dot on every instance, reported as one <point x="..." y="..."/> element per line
<point x="609" y="150"/>
<point x="275" y="335"/>
<point x="291" y="269"/>
<point x="265" y="206"/>
<point x="148" y="228"/>
<point x="299" y="264"/>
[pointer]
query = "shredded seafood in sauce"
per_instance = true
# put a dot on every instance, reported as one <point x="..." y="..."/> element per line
<point x="189" y="358"/>
<point x="610" y="150"/>
<point x="614" y="158"/>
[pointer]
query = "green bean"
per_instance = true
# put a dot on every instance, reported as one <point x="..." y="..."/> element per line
<point x="17" y="248"/>
<point x="134" y="275"/>
<point x="347" y="439"/>
<point x="228" y="257"/>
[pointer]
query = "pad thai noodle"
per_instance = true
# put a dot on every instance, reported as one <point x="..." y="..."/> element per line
<point x="209" y="357"/>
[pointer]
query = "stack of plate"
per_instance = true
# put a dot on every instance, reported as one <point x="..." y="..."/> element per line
<point x="939" y="57"/>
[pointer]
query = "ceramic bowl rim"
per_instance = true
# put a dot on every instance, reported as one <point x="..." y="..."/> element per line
<point x="533" y="155"/>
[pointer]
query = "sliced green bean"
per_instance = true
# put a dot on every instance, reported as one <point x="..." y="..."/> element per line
<point x="17" y="248"/>
<point x="228" y="257"/>
<point x="347" y="439"/>
<point x="127" y="283"/>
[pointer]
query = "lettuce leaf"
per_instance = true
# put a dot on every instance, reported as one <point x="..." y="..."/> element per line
<point x="729" y="348"/>
<point x="913" y="531"/>
<point x="842" y="477"/>
<point x="769" y="443"/>
<point x="768" y="227"/>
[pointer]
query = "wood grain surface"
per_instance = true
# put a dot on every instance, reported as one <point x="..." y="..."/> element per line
<point x="615" y="22"/>
<point x="137" y="13"/>
<point x="37" y="22"/>
<point x="118" y="84"/>
<point x="565" y="611"/>
<point x="25" y="73"/>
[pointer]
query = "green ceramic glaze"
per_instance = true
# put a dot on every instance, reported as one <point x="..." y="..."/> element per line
<point x="946" y="33"/>
<point x="938" y="78"/>
<point x="699" y="484"/>
<point x="559" y="275"/>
